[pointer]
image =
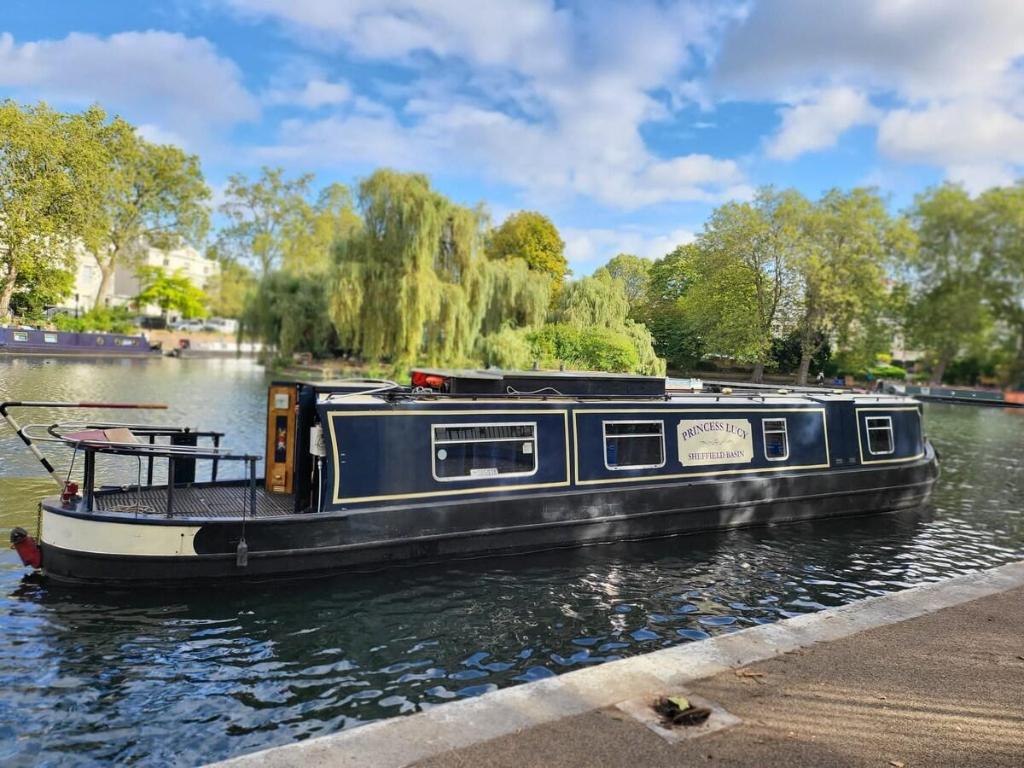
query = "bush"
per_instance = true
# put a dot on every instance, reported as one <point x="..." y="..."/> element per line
<point x="596" y="349"/>
<point x="509" y="348"/>
<point x="887" y="372"/>
<point x="102" y="319"/>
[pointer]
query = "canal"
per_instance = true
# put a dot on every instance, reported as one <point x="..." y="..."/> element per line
<point x="155" y="678"/>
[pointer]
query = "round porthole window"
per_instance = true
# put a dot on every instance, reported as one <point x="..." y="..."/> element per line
<point x="442" y="454"/>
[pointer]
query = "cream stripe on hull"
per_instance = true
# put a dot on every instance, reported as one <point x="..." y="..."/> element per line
<point x="105" y="538"/>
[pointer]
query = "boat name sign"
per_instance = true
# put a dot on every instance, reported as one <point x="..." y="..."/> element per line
<point x="715" y="441"/>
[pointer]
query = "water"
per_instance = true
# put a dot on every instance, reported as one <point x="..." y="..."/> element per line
<point x="180" y="678"/>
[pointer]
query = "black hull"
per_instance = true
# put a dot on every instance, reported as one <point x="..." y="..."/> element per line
<point x="308" y="545"/>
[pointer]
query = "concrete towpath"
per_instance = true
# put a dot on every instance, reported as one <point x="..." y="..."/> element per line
<point x="932" y="676"/>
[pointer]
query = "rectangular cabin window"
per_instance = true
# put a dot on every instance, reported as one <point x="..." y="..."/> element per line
<point x="880" y="439"/>
<point x="20" y="336"/>
<point x="634" y="444"/>
<point x="125" y="342"/>
<point x="50" y="338"/>
<point x="472" y="451"/>
<point x="776" y="439"/>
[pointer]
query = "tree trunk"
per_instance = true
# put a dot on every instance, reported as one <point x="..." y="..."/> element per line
<point x="7" y="290"/>
<point x="758" y="374"/>
<point x="940" y="369"/>
<point x="106" y="280"/>
<point x="804" y="369"/>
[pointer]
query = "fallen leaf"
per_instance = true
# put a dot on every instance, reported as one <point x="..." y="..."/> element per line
<point x="748" y="673"/>
<point x="896" y="764"/>
<point x="680" y="701"/>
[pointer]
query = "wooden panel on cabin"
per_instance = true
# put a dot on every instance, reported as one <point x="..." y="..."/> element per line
<point x="280" y="439"/>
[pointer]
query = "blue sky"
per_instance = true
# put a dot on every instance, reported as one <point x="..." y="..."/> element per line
<point x="625" y="122"/>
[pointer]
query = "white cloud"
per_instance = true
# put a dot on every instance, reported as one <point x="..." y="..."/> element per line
<point x="978" y="142"/>
<point x="818" y="123"/>
<point x="177" y="85"/>
<point x="588" y="249"/>
<point x="920" y="49"/>
<point x="313" y="94"/>
<point x="548" y="99"/>
<point x="950" y="71"/>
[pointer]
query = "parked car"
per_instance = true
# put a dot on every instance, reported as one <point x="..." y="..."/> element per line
<point x="221" y="325"/>
<point x="153" y="322"/>
<point x="192" y="324"/>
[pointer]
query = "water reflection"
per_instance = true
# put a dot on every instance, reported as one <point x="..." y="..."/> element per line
<point x="185" y="676"/>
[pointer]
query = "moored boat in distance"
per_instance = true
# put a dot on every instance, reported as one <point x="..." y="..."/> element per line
<point x="31" y="341"/>
<point x="361" y="474"/>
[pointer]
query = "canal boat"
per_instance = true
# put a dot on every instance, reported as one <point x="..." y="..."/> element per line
<point x="364" y="474"/>
<point x="32" y="341"/>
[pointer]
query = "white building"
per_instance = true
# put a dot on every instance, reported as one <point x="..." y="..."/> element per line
<point x="196" y="267"/>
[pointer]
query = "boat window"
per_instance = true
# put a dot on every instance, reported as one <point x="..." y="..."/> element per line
<point x="125" y="342"/>
<point x="50" y="338"/>
<point x="634" y="444"/>
<point x="470" y="451"/>
<point x="20" y="336"/>
<point x="776" y="439"/>
<point x="880" y="434"/>
<point x="100" y="341"/>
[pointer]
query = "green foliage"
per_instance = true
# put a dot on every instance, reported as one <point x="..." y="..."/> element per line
<point x="887" y="372"/>
<point x="508" y="348"/>
<point x="413" y="282"/>
<point x="311" y="231"/>
<point x="170" y="292"/>
<point x="742" y="284"/>
<point x="264" y="216"/>
<point x="787" y="352"/>
<point x="153" y="195"/>
<point x="675" y="337"/>
<point x="102" y="319"/>
<point x="597" y="308"/>
<point x="51" y="174"/>
<point x="229" y="290"/>
<point x="532" y="237"/>
<point x="947" y="313"/>
<point x="635" y="274"/>
<point x="850" y="241"/>
<point x="290" y="312"/>
<point x="588" y="349"/>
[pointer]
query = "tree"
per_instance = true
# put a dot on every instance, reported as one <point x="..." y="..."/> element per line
<point x="290" y="312"/>
<point x="531" y="236"/>
<point x="312" y="231"/>
<point x="154" y="195"/>
<point x="597" y="308"/>
<point x="634" y="272"/>
<point x="51" y="170"/>
<point x="1002" y="268"/>
<point x="413" y="282"/>
<point x="262" y="216"/>
<point x="169" y="292"/>
<point x="842" y="265"/>
<point x="741" y="288"/>
<point x="229" y="290"/>
<point x="675" y="337"/>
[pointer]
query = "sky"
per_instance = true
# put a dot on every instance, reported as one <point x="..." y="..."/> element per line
<point x="625" y="122"/>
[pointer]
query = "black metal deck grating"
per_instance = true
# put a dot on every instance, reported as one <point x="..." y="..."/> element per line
<point x="211" y="501"/>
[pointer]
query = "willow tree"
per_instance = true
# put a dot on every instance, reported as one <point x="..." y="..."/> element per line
<point x="414" y="283"/>
<point x="598" y="308"/>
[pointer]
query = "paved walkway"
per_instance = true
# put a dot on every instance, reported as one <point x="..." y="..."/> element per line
<point x="941" y="690"/>
<point x="931" y="676"/>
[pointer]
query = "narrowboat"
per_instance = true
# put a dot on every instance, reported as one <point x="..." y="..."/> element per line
<point x="363" y="474"/>
<point x="31" y="341"/>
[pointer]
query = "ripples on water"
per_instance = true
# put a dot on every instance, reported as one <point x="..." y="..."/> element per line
<point x="159" y="678"/>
